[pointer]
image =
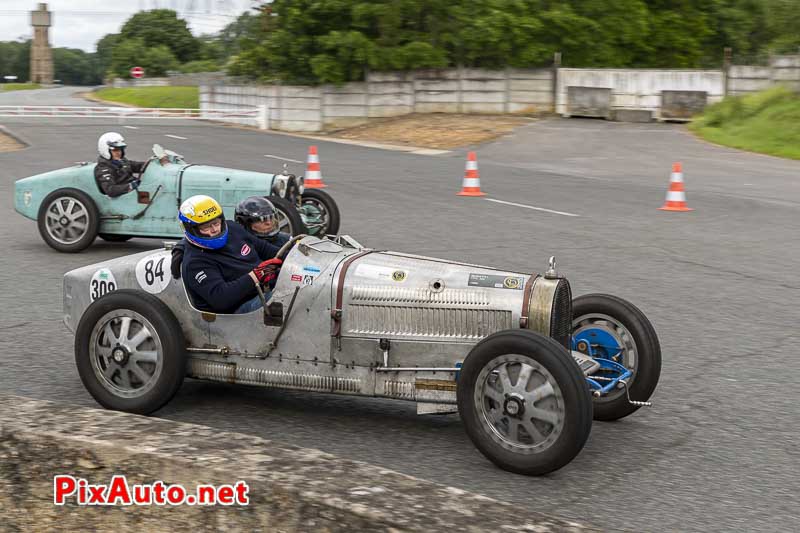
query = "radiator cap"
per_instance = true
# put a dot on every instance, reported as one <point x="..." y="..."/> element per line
<point x="551" y="269"/>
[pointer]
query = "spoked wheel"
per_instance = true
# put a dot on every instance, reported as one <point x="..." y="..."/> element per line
<point x="123" y="350"/>
<point x="130" y="352"/>
<point x="289" y="220"/>
<point x="524" y="402"/>
<point x="320" y="213"/>
<point x="68" y="220"/>
<point x="616" y="330"/>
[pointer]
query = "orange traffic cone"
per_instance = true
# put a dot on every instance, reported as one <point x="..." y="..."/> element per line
<point x="471" y="186"/>
<point x="313" y="177"/>
<point x="676" y="196"/>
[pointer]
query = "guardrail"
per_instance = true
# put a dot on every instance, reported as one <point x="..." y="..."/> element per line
<point x="258" y="115"/>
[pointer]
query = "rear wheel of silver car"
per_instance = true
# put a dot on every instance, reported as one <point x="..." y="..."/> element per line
<point x="618" y="331"/>
<point x="289" y="220"/>
<point x="524" y="402"/>
<point x="68" y="220"/>
<point x="130" y="352"/>
<point x="320" y="207"/>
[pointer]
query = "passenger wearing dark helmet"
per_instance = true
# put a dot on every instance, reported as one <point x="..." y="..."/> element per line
<point x="258" y="216"/>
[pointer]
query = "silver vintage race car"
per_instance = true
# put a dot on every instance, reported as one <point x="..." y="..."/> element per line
<point x="525" y="365"/>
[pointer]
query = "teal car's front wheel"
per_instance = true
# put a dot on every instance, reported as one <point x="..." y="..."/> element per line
<point x="68" y="220"/>
<point x="289" y="220"/>
<point x="319" y="212"/>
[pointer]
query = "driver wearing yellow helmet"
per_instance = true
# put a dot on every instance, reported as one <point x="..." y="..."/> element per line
<point x="223" y="262"/>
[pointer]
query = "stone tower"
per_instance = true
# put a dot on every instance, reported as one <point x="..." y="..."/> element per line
<point x="41" y="54"/>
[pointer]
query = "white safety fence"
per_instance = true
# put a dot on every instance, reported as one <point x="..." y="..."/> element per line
<point x="253" y="116"/>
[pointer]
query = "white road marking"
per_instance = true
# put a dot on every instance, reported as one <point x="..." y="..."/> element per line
<point x="131" y="127"/>
<point x="429" y="151"/>
<point x="175" y="136"/>
<point x="284" y="158"/>
<point x="532" y="207"/>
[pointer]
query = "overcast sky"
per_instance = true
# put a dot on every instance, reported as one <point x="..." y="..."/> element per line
<point x="81" y="23"/>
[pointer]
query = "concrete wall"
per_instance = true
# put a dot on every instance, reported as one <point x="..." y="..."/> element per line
<point x="144" y="82"/>
<point x="466" y="90"/>
<point x="291" y="489"/>
<point x="744" y="79"/>
<point x="638" y="88"/>
<point x="682" y="104"/>
<point x="786" y="70"/>
<point x="388" y="94"/>
<point x="233" y="97"/>
<point x="588" y="102"/>
<point x="198" y="78"/>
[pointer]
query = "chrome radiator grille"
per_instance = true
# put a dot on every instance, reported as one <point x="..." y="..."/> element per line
<point x="561" y="315"/>
<point x="417" y="295"/>
<point x="425" y="321"/>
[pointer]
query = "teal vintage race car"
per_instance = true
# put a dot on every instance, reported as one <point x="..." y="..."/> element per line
<point x="71" y="211"/>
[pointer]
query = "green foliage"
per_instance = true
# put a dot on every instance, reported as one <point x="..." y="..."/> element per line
<point x="161" y="27"/>
<point x="334" y="41"/>
<point x="230" y="37"/>
<point x="156" y="60"/>
<point x="71" y="66"/>
<point x="15" y="59"/>
<point x="75" y="67"/>
<point x="202" y="65"/>
<point x="767" y="122"/>
<point x="783" y="21"/>
<point x="105" y="49"/>
<point x="171" y="97"/>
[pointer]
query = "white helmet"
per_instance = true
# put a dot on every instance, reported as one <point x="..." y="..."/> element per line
<point x="108" y="140"/>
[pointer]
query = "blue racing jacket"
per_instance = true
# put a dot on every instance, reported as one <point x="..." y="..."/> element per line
<point x="218" y="280"/>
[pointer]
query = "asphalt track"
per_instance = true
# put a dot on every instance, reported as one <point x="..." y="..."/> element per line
<point x="718" y="451"/>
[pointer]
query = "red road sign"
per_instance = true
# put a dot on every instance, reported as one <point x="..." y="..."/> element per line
<point x="137" y="72"/>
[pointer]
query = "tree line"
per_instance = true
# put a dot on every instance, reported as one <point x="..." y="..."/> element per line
<point x="335" y="41"/>
<point x="157" y="40"/>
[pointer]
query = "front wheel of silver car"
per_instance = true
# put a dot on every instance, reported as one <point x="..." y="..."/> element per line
<point x="130" y="352"/>
<point x="524" y="402"/>
<point x="612" y="329"/>
<point x="68" y="220"/>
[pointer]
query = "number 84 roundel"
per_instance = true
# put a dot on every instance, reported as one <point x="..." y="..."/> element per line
<point x="152" y="272"/>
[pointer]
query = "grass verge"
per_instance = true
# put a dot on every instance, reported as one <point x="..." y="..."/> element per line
<point x="767" y="122"/>
<point x="5" y="87"/>
<point x="176" y="97"/>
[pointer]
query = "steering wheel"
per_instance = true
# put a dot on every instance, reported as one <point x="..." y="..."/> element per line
<point x="158" y="153"/>
<point x="286" y="248"/>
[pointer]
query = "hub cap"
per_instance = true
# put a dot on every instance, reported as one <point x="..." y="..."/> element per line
<point x="520" y="403"/>
<point x="610" y="340"/>
<point x="315" y="216"/>
<point x="126" y="353"/>
<point x="67" y="220"/>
